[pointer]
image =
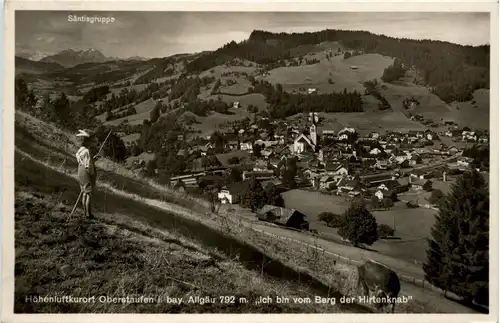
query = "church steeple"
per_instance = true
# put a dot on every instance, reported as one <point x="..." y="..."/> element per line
<point x="313" y="117"/>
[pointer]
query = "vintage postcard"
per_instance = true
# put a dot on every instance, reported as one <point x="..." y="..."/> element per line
<point x="257" y="160"/>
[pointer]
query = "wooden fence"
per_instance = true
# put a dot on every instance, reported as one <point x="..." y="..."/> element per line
<point x="412" y="280"/>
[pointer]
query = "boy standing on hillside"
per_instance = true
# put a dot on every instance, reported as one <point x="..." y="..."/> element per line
<point x="86" y="171"/>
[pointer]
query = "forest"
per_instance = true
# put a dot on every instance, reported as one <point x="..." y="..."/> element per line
<point x="452" y="71"/>
<point x="283" y="104"/>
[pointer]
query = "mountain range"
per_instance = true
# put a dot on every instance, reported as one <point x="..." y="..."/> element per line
<point x="71" y="57"/>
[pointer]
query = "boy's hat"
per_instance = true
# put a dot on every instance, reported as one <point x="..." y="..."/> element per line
<point x="82" y="133"/>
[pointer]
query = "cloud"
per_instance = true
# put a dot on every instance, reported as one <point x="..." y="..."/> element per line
<point x="166" y="33"/>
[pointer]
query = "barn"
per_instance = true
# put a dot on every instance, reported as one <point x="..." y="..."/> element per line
<point x="283" y="216"/>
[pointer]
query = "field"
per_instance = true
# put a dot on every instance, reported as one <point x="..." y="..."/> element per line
<point x="365" y="122"/>
<point x="143" y="113"/>
<point x="412" y="225"/>
<point x="207" y="125"/>
<point x="129" y="139"/>
<point x="217" y="71"/>
<point x="369" y="67"/>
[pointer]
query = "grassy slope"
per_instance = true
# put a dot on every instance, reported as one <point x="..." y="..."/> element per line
<point x="118" y="256"/>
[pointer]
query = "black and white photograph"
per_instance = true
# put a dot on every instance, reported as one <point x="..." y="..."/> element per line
<point x="252" y="162"/>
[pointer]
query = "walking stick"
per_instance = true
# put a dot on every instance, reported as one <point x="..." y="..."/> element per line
<point x="81" y="192"/>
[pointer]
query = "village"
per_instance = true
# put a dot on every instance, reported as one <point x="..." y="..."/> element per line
<point x="374" y="166"/>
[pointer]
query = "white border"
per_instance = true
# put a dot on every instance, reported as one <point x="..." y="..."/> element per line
<point x="317" y="6"/>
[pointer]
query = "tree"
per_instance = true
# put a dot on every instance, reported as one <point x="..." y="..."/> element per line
<point x="24" y="97"/>
<point x="457" y="254"/>
<point x="233" y="176"/>
<point x="254" y="196"/>
<point x="375" y="202"/>
<point x="154" y="115"/>
<point x="436" y="196"/>
<point x="359" y="225"/>
<point x="337" y="221"/>
<point x="114" y="148"/>
<point x="150" y="168"/>
<point x="383" y="230"/>
<point x="326" y="216"/>
<point x="257" y="150"/>
<point x="273" y="196"/>
<point x="428" y="186"/>
<point x="387" y="203"/>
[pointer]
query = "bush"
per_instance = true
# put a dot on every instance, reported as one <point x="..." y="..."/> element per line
<point x="326" y="217"/>
<point x="411" y="205"/>
<point x="384" y="230"/>
<point x="336" y="222"/>
<point x="436" y="196"/>
<point x="387" y="203"/>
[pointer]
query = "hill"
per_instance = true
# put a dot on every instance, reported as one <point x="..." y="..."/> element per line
<point x="27" y="66"/>
<point x="452" y="77"/>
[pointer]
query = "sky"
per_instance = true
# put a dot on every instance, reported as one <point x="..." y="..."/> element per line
<point x="160" y="34"/>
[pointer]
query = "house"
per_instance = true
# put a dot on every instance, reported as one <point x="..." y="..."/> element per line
<point x="236" y="105"/>
<point x="421" y="174"/>
<point x="382" y="165"/>
<point x="261" y="175"/>
<point x="404" y="163"/>
<point x="429" y="135"/>
<point x="346" y="185"/>
<point x="469" y="135"/>
<point x="448" y="133"/>
<point x="274" y="182"/>
<point x="375" y="180"/>
<point x="312" y="90"/>
<point x="346" y="133"/>
<point x="413" y="135"/>
<point x="393" y="185"/>
<point x="283" y="216"/>
<point x="232" y="194"/>
<point x="374" y="135"/>
<point x="232" y="145"/>
<point x="381" y="194"/>
<point x="327" y="182"/>
<point x="452" y="150"/>
<point x="260" y="166"/>
<point x="483" y="139"/>
<point x="415" y="159"/>
<point x="464" y="161"/>
<point x="375" y="151"/>
<point x="336" y="169"/>
<point x="246" y="146"/>
<point x="420" y="184"/>
<point x="399" y="156"/>
<point x="267" y="153"/>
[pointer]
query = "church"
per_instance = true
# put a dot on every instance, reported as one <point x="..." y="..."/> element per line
<point x="304" y="142"/>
